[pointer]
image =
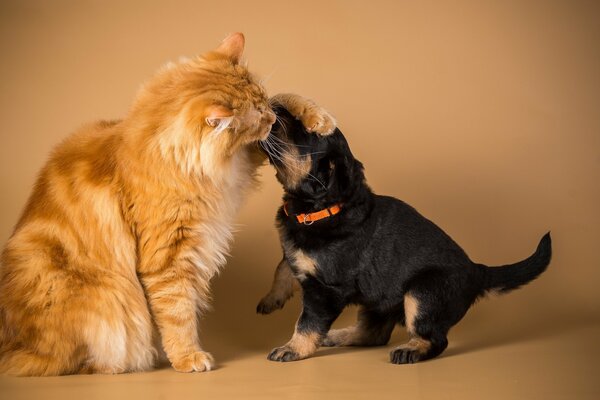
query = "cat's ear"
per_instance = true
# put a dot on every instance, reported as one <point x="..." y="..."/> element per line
<point x="218" y="117"/>
<point x="233" y="47"/>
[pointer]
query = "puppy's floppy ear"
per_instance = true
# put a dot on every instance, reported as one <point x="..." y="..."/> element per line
<point x="346" y="169"/>
<point x="319" y="181"/>
<point x="332" y="171"/>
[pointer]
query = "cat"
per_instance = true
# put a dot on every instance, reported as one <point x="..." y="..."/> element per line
<point x="108" y="268"/>
<point x="346" y="245"/>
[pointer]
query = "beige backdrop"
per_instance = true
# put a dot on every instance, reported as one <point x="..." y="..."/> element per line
<point x="485" y="116"/>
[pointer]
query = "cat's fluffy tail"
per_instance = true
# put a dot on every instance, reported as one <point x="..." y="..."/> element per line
<point x="23" y="363"/>
<point x="510" y="277"/>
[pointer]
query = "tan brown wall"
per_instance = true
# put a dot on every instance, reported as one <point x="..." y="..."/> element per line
<point x="483" y="115"/>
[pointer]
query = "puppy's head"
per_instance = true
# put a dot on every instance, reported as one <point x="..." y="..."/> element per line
<point x="309" y="165"/>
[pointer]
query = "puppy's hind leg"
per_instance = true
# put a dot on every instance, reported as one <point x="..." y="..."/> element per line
<point x="283" y="288"/>
<point x="435" y="301"/>
<point x="427" y="336"/>
<point x="371" y="329"/>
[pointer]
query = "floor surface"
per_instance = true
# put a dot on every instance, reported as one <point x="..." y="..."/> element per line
<point x="562" y="365"/>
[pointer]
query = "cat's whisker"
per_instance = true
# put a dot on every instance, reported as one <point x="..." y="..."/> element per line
<point x="279" y="147"/>
<point x="282" y="124"/>
<point x="316" y="179"/>
<point x="273" y="152"/>
<point x="288" y="143"/>
<point x="282" y="143"/>
<point x="269" y="144"/>
<point x="291" y="161"/>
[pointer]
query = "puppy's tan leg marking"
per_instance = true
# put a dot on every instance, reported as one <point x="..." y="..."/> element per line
<point x="314" y="118"/>
<point x="300" y="346"/>
<point x="370" y="330"/>
<point x="283" y="288"/>
<point x="304" y="264"/>
<point x="411" y="311"/>
<point x="350" y="336"/>
<point x="416" y="348"/>
<point x="417" y="344"/>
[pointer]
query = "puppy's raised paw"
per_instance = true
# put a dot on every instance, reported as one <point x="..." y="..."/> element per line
<point x="269" y="304"/>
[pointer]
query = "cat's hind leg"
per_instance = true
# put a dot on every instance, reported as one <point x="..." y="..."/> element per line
<point x="118" y="329"/>
<point x="71" y="322"/>
<point x="39" y="335"/>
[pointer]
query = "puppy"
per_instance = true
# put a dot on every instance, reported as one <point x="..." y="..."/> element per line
<point x="346" y="245"/>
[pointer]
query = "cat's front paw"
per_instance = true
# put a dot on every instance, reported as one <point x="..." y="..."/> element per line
<point x="198" y="361"/>
<point x="283" y="354"/>
<point x="316" y="119"/>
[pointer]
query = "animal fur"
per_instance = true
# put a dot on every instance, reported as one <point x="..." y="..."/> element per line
<point x="111" y="261"/>
<point x="377" y="252"/>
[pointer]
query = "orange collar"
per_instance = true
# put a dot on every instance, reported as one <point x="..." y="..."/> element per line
<point x="309" y="219"/>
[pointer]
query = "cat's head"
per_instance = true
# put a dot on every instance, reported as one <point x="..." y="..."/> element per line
<point x="201" y="111"/>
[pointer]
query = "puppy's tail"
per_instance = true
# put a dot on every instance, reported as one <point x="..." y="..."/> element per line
<point x="509" y="277"/>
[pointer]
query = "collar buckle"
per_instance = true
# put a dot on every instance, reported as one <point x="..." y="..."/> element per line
<point x="305" y="220"/>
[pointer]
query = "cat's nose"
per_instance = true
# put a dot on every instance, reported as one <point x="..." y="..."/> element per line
<point x="270" y="117"/>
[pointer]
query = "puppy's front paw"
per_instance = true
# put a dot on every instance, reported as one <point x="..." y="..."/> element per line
<point x="268" y="304"/>
<point x="316" y="119"/>
<point x="283" y="354"/>
<point x="198" y="361"/>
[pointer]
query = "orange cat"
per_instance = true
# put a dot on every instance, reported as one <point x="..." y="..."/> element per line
<point x="129" y="220"/>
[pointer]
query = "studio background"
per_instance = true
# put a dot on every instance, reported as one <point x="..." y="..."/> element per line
<point x="482" y="115"/>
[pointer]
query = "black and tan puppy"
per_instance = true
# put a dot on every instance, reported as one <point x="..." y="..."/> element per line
<point x="346" y="245"/>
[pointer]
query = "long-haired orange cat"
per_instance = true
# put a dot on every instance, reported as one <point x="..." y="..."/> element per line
<point x="111" y="261"/>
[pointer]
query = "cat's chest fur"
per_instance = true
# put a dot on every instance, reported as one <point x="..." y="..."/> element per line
<point x="218" y="205"/>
